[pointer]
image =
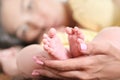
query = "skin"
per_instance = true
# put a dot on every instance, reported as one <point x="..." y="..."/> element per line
<point x="19" y="32"/>
<point x="51" y="44"/>
<point x="100" y="70"/>
<point x="35" y="16"/>
<point x="21" y="61"/>
<point x="25" y="62"/>
<point x="29" y="22"/>
<point x="8" y="58"/>
<point x="102" y="64"/>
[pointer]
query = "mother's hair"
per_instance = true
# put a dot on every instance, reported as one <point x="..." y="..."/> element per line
<point x="7" y="40"/>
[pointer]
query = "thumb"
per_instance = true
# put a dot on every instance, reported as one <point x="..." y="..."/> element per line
<point x="101" y="47"/>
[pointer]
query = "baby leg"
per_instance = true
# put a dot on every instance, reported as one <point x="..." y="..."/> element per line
<point x="25" y="60"/>
<point x="76" y="39"/>
<point x="8" y="61"/>
<point x="53" y="45"/>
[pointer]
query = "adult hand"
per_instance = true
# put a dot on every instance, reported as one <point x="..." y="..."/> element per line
<point x="103" y="63"/>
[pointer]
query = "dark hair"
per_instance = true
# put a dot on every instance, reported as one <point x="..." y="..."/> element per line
<point x="7" y="40"/>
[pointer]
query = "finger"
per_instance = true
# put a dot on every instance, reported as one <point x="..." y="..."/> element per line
<point x="97" y="48"/>
<point x="77" y="75"/>
<point x="45" y="73"/>
<point x="76" y="63"/>
<point x="102" y="47"/>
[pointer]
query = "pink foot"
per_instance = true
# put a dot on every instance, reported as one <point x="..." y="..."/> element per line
<point x="53" y="45"/>
<point x="75" y="38"/>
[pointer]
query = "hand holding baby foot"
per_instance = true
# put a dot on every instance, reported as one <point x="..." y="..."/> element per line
<point x="55" y="48"/>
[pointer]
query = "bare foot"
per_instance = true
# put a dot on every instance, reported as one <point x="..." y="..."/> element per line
<point x="53" y="45"/>
<point x="76" y="38"/>
<point x="8" y="61"/>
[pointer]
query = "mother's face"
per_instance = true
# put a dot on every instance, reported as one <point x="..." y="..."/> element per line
<point x="29" y="18"/>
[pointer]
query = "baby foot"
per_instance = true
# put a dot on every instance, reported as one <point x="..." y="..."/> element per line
<point x="76" y="39"/>
<point x="53" y="45"/>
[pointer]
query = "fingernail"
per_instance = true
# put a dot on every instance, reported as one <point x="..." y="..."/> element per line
<point x="34" y="73"/>
<point x="83" y="46"/>
<point x="38" y="61"/>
